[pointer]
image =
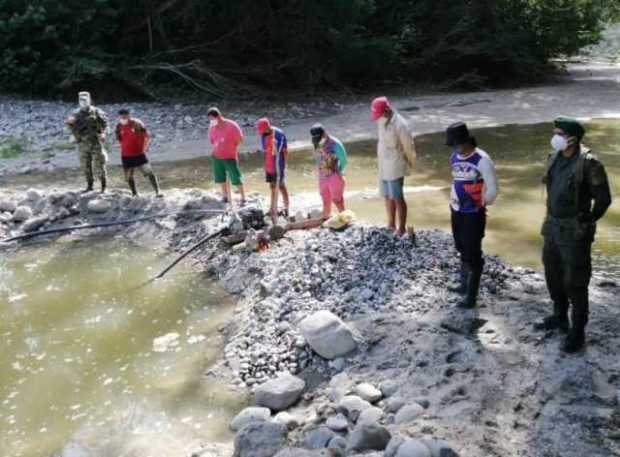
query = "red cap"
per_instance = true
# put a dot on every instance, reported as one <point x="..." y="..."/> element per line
<point x="378" y="106"/>
<point x="262" y="124"/>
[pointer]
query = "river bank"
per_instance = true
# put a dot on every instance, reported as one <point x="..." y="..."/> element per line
<point x="482" y="381"/>
<point x="587" y="90"/>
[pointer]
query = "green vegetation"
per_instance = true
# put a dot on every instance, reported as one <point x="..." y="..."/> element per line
<point x="10" y="147"/>
<point x="235" y="46"/>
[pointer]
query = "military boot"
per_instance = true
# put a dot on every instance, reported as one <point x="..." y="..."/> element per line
<point x="461" y="287"/>
<point x="473" y="284"/>
<point x="89" y="187"/>
<point x="552" y="322"/>
<point x="104" y="184"/>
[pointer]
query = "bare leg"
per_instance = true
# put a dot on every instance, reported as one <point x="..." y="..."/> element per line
<point x="401" y="210"/>
<point x="285" y="197"/>
<point x="224" y="187"/>
<point x="273" y="207"/>
<point x="390" y="209"/>
<point x="131" y="181"/>
<point x="242" y="193"/>
<point x="327" y="209"/>
<point x="340" y="205"/>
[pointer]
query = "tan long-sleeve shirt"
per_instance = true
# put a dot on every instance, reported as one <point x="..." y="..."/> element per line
<point x="395" y="150"/>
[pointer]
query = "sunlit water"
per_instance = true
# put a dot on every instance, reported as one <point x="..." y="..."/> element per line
<point x="78" y="359"/>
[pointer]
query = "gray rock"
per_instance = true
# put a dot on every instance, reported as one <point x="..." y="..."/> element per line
<point x="368" y="392"/>
<point x="423" y="402"/>
<point x="287" y="419"/>
<point x="280" y="393"/>
<point x="74" y="450"/>
<point x="299" y="452"/>
<point x="317" y="438"/>
<point x="34" y="223"/>
<point x="439" y="448"/>
<point x="251" y="414"/>
<point x="388" y="387"/>
<point x="408" y="413"/>
<point x="413" y="448"/>
<point x="338" y="446"/>
<point x="393" y="404"/>
<point x="369" y="437"/>
<point x="260" y="439"/>
<point x="393" y="445"/>
<point x="99" y="206"/>
<point x="372" y="414"/>
<point x="7" y="205"/>
<point x="327" y="335"/>
<point x="352" y="406"/>
<point x="338" y="422"/>
<point x="22" y="213"/>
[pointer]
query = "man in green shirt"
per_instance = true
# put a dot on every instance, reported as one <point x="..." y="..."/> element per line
<point x="577" y="197"/>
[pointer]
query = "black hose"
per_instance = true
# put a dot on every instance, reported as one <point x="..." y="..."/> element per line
<point x="72" y="228"/>
<point x="187" y="252"/>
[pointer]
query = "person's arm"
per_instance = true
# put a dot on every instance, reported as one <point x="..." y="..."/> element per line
<point x="147" y="140"/>
<point x="407" y="143"/>
<point x="341" y="154"/>
<point x="117" y="132"/>
<point x="599" y="188"/>
<point x="490" y="190"/>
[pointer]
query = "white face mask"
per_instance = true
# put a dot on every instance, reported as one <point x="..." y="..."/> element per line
<point x="214" y="122"/>
<point x="124" y="121"/>
<point x="559" y="143"/>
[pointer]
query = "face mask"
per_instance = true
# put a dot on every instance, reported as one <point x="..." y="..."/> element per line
<point x="124" y="121"/>
<point x="214" y="122"/>
<point x="84" y="103"/>
<point x="559" y="143"/>
<point x="322" y="142"/>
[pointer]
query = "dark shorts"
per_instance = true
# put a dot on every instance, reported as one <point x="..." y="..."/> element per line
<point x="134" y="161"/>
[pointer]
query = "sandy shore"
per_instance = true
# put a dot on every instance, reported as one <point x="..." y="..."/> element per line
<point x="586" y="91"/>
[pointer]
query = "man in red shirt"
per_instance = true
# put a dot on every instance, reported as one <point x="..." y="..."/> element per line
<point x="225" y="136"/>
<point x="134" y="140"/>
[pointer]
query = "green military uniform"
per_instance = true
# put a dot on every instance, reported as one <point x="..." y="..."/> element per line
<point x="89" y="124"/>
<point x="577" y="196"/>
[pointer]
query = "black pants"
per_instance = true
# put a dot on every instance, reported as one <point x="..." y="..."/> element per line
<point x="568" y="269"/>
<point x="468" y="232"/>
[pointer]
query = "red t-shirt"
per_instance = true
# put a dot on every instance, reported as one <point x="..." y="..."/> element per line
<point x="132" y="137"/>
<point x="225" y="138"/>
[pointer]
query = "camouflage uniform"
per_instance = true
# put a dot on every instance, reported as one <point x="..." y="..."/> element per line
<point x="89" y="124"/>
<point x="578" y="195"/>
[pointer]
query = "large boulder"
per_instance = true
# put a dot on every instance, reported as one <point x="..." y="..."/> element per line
<point x="327" y="335"/>
<point x="369" y="436"/>
<point x="298" y="452"/>
<point x="352" y="406"/>
<point x="99" y="205"/>
<point x="260" y="439"/>
<point x="280" y="393"/>
<point x="413" y="448"/>
<point x="408" y="413"/>
<point x="251" y="414"/>
<point x="7" y="205"/>
<point x="34" y="223"/>
<point x="22" y="213"/>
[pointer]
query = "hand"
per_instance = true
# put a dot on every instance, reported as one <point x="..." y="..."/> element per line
<point x="102" y="136"/>
<point x="70" y="120"/>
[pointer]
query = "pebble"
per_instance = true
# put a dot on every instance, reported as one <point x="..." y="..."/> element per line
<point x="408" y="413"/>
<point x="368" y="392"/>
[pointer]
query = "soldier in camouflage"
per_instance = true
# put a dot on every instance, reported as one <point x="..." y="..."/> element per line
<point x="88" y="125"/>
<point x="578" y="196"/>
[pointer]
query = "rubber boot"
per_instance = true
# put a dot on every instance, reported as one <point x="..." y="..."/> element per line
<point x="575" y="339"/>
<point x="132" y="186"/>
<point x="473" y="284"/>
<point x="155" y="184"/>
<point x="461" y="288"/>
<point x="89" y="187"/>
<point x="557" y="320"/>
<point x="104" y="184"/>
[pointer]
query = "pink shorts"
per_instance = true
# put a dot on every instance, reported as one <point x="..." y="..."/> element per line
<point x="331" y="188"/>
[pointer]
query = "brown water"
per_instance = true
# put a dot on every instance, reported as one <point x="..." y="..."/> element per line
<point x="80" y="360"/>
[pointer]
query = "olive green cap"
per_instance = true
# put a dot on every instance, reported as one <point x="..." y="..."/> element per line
<point x="570" y="126"/>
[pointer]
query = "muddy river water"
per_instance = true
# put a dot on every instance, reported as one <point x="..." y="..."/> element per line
<point x="83" y="356"/>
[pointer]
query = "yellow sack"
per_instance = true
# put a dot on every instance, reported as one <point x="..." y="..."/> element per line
<point x="340" y="221"/>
